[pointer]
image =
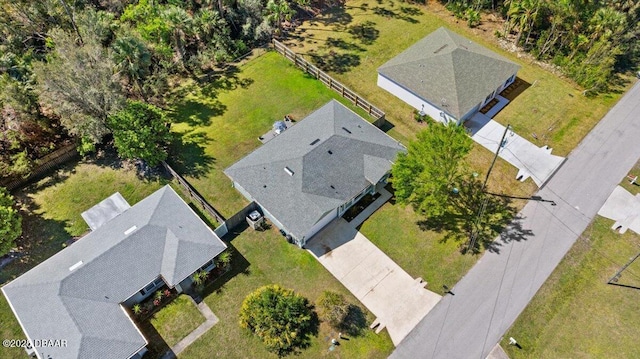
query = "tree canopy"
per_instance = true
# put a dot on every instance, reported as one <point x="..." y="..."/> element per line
<point x="10" y="222"/>
<point x="140" y="131"/>
<point x="425" y="177"/>
<point x="283" y="319"/>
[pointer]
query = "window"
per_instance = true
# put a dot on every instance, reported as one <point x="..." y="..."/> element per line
<point x="151" y="286"/>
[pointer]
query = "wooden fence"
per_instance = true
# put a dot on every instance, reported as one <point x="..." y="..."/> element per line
<point x="43" y="165"/>
<point x="194" y="195"/>
<point x="331" y="83"/>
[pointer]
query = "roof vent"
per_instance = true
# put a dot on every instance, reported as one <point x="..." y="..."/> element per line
<point x="330" y="152"/>
<point x="130" y="230"/>
<point x="332" y="187"/>
<point x="75" y="266"/>
<point x="315" y="141"/>
<point x="440" y="48"/>
<point x="346" y="130"/>
<point x="289" y="171"/>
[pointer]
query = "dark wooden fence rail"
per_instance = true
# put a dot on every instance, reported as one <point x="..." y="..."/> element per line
<point x="43" y="165"/>
<point x="194" y="195"/>
<point x="331" y="83"/>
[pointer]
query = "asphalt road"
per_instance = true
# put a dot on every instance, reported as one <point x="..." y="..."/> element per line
<point x="497" y="289"/>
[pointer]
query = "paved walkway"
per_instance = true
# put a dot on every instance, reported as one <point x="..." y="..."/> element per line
<point x="397" y="300"/>
<point x="496" y="290"/>
<point x="531" y="161"/>
<point x="624" y="208"/>
<point x="210" y="321"/>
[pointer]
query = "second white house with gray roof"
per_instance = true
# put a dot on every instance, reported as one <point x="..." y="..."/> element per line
<point x="446" y="76"/>
<point x="77" y="296"/>
<point x="314" y="171"/>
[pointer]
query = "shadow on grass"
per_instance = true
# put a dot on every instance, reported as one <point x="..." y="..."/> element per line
<point x="239" y="265"/>
<point x="41" y="238"/>
<point x="157" y="345"/>
<point x="354" y="322"/>
<point x="336" y="16"/>
<point x="341" y="44"/>
<point x="187" y="154"/>
<point x="335" y="62"/>
<point x="384" y="12"/>
<point x="461" y="220"/>
<point x="196" y="113"/>
<point x="365" y="32"/>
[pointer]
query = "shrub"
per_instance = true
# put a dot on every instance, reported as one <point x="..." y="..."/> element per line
<point x="10" y="222"/>
<point x="282" y="319"/>
<point x="333" y="308"/>
<point x="225" y="258"/>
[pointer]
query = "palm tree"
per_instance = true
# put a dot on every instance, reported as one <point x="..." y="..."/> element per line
<point x="523" y="13"/>
<point x="279" y="11"/>
<point x="606" y="22"/>
<point x="132" y="59"/>
<point x="182" y="24"/>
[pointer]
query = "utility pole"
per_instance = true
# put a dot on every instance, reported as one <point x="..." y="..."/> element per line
<point x="483" y="206"/>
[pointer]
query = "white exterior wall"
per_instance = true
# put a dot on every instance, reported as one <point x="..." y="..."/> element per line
<point x="413" y="100"/>
<point x="430" y="109"/>
<point x="321" y="224"/>
<point x="242" y="191"/>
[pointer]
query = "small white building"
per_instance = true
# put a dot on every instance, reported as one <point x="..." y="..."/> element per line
<point x="447" y="76"/>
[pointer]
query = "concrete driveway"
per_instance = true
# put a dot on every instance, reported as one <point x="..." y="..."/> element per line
<point x="531" y="160"/>
<point x="398" y="301"/>
<point x="624" y="209"/>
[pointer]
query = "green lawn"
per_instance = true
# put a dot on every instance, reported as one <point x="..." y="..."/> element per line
<point x="220" y="121"/>
<point x="356" y="39"/>
<point x="576" y="314"/>
<point x="262" y="258"/>
<point x="421" y="253"/>
<point x="10" y="329"/>
<point x="51" y="207"/>
<point x="177" y="319"/>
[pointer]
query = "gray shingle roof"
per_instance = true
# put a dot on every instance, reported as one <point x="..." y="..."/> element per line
<point x="446" y="66"/>
<point x="82" y="305"/>
<point x="333" y="153"/>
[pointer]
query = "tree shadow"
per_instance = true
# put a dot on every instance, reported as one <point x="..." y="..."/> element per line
<point x="390" y="14"/>
<point x="335" y="62"/>
<point x="354" y="322"/>
<point x="336" y="16"/>
<point x="187" y="153"/>
<point x="365" y="32"/>
<point x="198" y="113"/>
<point x="465" y="218"/>
<point x="341" y="44"/>
<point x="41" y="237"/>
<point x="239" y="265"/>
<point x="411" y="11"/>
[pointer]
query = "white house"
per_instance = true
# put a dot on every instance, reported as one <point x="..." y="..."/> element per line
<point x="447" y="76"/>
<point x="78" y="295"/>
<point x="316" y="170"/>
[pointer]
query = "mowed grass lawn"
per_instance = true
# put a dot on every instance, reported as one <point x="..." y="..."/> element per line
<point x="220" y="121"/>
<point x="261" y="258"/>
<point x="356" y="39"/>
<point x="177" y="319"/>
<point x="576" y="314"/>
<point x="51" y="215"/>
